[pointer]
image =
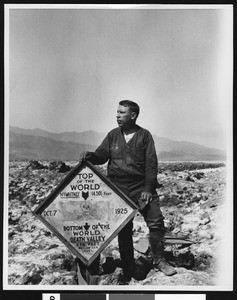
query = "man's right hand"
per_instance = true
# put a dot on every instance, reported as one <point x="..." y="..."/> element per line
<point x="85" y="155"/>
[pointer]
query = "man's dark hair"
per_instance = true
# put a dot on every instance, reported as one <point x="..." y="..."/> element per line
<point x="133" y="106"/>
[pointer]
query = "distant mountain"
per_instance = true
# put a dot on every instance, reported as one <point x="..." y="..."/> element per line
<point x="40" y="144"/>
<point x="27" y="147"/>
<point x="182" y="156"/>
<point x="168" y="149"/>
<point x="86" y="137"/>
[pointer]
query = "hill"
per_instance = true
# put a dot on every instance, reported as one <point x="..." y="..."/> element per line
<point x="86" y="137"/>
<point x="26" y="147"/>
<point x="40" y="144"/>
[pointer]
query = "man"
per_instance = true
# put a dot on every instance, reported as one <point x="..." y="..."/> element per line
<point x="133" y="166"/>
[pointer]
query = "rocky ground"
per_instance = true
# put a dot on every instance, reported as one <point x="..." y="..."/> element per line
<point x="192" y="197"/>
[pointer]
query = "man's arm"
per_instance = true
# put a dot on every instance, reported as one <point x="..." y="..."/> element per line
<point x="151" y="169"/>
<point x="101" y="154"/>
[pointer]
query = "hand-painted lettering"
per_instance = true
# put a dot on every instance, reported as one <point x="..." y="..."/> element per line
<point x="85" y="175"/>
<point x="96" y="193"/>
<point x="107" y="193"/>
<point x="77" y="239"/>
<point x="50" y="213"/>
<point x="70" y="228"/>
<point x="87" y="187"/>
<point x="70" y="194"/>
<point x="96" y="239"/>
<point x="100" y="226"/>
<point x="121" y="211"/>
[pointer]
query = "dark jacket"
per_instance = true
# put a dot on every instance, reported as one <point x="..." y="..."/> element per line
<point x="135" y="160"/>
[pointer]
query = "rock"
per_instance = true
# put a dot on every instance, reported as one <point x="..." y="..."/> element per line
<point x="40" y="198"/>
<point x="110" y="265"/>
<point x="137" y="229"/>
<point x="160" y="185"/>
<point x="52" y="246"/>
<point x="14" y="218"/>
<point x="60" y="278"/>
<point x="141" y="268"/>
<point x="162" y="198"/>
<point x="111" y="279"/>
<point x="203" y="260"/>
<point x="198" y="175"/>
<point x="33" y="275"/>
<point x="62" y="168"/>
<point x="188" y="178"/>
<point x="188" y="209"/>
<point x="196" y="198"/>
<point x="176" y="230"/>
<point x="12" y="249"/>
<point x="59" y="166"/>
<point x="201" y="267"/>
<point x="205" y="221"/>
<point x="11" y="233"/>
<point x="142" y="245"/>
<point x="203" y="234"/>
<point x="189" y="227"/>
<point x="205" y="215"/>
<point x="185" y="260"/>
<point x="34" y="164"/>
<point x="60" y="259"/>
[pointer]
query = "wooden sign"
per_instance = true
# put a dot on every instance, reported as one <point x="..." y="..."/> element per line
<point x="86" y="211"/>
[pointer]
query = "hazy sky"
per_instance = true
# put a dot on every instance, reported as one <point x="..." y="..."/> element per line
<point x="69" y="68"/>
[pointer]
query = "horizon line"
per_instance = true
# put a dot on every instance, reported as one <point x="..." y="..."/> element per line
<point x="91" y="130"/>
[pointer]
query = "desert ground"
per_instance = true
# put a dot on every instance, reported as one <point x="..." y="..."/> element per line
<point x="192" y="197"/>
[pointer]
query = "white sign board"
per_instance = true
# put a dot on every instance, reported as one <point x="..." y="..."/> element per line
<point x="86" y="211"/>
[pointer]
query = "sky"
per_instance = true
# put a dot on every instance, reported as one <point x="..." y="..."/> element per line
<point x="69" y="68"/>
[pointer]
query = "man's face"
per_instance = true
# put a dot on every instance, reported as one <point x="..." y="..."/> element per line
<point x="124" y="116"/>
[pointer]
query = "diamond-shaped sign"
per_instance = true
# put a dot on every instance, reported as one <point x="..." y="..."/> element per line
<point x="86" y="211"/>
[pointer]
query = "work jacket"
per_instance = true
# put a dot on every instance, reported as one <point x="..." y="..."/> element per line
<point x="135" y="160"/>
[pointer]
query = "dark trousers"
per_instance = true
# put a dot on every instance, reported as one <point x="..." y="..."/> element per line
<point x="153" y="218"/>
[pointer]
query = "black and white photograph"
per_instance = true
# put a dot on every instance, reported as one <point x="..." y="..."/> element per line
<point x="118" y="147"/>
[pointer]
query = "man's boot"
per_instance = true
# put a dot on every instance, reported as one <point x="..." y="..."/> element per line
<point x="157" y="243"/>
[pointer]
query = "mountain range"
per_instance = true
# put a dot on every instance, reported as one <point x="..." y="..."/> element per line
<point x="26" y="144"/>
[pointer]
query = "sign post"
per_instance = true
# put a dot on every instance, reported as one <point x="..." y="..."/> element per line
<point x="86" y="211"/>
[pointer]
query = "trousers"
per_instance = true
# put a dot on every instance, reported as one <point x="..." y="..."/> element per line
<point x="153" y="218"/>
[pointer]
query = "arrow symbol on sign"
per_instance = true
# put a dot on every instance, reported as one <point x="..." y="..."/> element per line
<point x="86" y="226"/>
<point x="85" y="195"/>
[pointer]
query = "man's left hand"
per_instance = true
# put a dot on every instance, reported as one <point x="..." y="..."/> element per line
<point x="146" y="196"/>
<point x="144" y="200"/>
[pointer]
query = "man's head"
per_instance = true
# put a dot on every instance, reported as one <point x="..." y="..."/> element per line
<point x="127" y="113"/>
<point x="133" y="106"/>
